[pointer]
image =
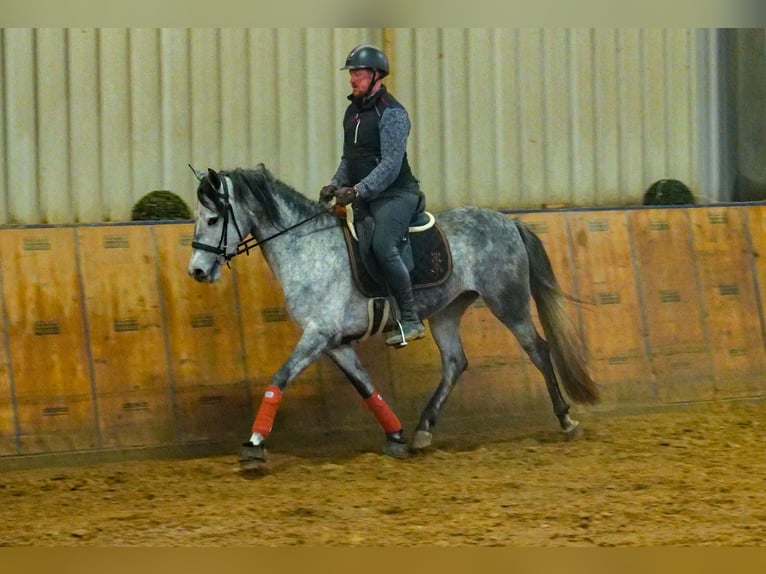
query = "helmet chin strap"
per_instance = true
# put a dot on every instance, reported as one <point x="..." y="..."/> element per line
<point x="374" y="81"/>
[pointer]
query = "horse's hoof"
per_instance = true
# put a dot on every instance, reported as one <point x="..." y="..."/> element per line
<point x="421" y="440"/>
<point x="572" y="431"/>
<point x="396" y="449"/>
<point x="251" y="456"/>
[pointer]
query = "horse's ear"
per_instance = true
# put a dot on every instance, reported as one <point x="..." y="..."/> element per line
<point x="200" y="175"/>
<point x="212" y="177"/>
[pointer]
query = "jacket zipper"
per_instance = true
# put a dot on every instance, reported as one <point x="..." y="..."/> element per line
<point x="356" y="130"/>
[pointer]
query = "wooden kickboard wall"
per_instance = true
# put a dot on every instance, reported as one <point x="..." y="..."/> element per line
<point x="108" y="344"/>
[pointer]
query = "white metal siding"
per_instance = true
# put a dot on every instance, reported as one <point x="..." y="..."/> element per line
<point x="92" y="119"/>
<point x="526" y="117"/>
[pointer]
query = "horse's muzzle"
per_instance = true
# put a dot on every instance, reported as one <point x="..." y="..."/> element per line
<point x="203" y="276"/>
<point x="198" y="274"/>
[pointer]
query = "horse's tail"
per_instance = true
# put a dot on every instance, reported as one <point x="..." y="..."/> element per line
<point x="567" y="349"/>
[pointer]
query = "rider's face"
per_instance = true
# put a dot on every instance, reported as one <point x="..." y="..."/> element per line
<point x="360" y="81"/>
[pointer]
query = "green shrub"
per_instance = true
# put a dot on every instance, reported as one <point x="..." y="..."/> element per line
<point x="668" y="192"/>
<point x="159" y="205"/>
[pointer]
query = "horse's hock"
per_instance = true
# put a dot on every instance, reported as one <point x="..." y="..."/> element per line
<point x="108" y="344"/>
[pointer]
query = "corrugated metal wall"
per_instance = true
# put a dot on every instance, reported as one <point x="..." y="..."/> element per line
<point x="518" y="117"/>
<point x="92" y="119"/>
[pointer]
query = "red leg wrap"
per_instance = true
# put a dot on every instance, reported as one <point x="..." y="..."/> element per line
<point x="383" y="413"/>
<point x="264" y="420"/>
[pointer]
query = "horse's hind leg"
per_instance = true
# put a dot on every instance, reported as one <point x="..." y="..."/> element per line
<point x="348" y="361"/>
<point x="519" y="320"/>
<point x="445" y="329"/>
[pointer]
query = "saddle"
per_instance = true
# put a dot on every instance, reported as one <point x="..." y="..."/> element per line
<point x="424" y="250"/>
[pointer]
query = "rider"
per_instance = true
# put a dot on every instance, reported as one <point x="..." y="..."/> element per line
<point x="374" y="174"/>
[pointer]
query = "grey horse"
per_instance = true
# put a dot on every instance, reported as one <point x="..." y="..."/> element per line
<point x="494" y="257"/>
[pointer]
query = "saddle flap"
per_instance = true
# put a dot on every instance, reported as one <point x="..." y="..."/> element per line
<point x="432" y="260"/>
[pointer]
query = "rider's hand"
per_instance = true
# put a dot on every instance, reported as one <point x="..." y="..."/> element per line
<point x="327" y="193"/>
<point x="345" y="195"/>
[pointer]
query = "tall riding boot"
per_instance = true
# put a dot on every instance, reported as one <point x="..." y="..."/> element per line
<point x="412" y="326"/>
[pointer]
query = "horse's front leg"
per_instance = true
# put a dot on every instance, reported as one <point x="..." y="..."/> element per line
<point x="348" y="361"/>
<point x="310" y="346"/>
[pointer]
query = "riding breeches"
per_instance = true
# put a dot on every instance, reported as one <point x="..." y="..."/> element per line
<point x="392" y="212"/>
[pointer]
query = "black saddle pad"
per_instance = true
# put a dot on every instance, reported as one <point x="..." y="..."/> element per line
<point x="431" y="256"/>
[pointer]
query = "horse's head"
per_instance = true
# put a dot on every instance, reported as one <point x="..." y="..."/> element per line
<point x="216" y="233"/>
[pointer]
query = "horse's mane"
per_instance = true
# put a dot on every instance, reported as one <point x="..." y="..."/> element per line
<point x="256" y="188"/>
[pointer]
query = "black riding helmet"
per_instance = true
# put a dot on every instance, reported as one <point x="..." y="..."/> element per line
<point x="367" y="56"/>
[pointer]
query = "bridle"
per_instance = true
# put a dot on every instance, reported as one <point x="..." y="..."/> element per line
<point x="245" y="244"/>
<point x="228" y="210"/>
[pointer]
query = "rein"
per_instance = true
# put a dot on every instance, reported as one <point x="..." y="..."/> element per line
<point x="244" y="245"/>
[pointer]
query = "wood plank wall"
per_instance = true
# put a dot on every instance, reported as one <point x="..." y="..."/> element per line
<point x="107" y="343"/>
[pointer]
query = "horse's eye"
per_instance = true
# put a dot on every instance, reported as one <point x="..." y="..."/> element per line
<point x="212" y="221"/>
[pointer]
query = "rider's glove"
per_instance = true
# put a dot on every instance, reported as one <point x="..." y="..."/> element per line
<point x="345" y="195"/>
<point x="327" y="193"/>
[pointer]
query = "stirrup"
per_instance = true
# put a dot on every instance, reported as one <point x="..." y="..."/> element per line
<point x="402" y="342"/>
<point x="398" y="343"/>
